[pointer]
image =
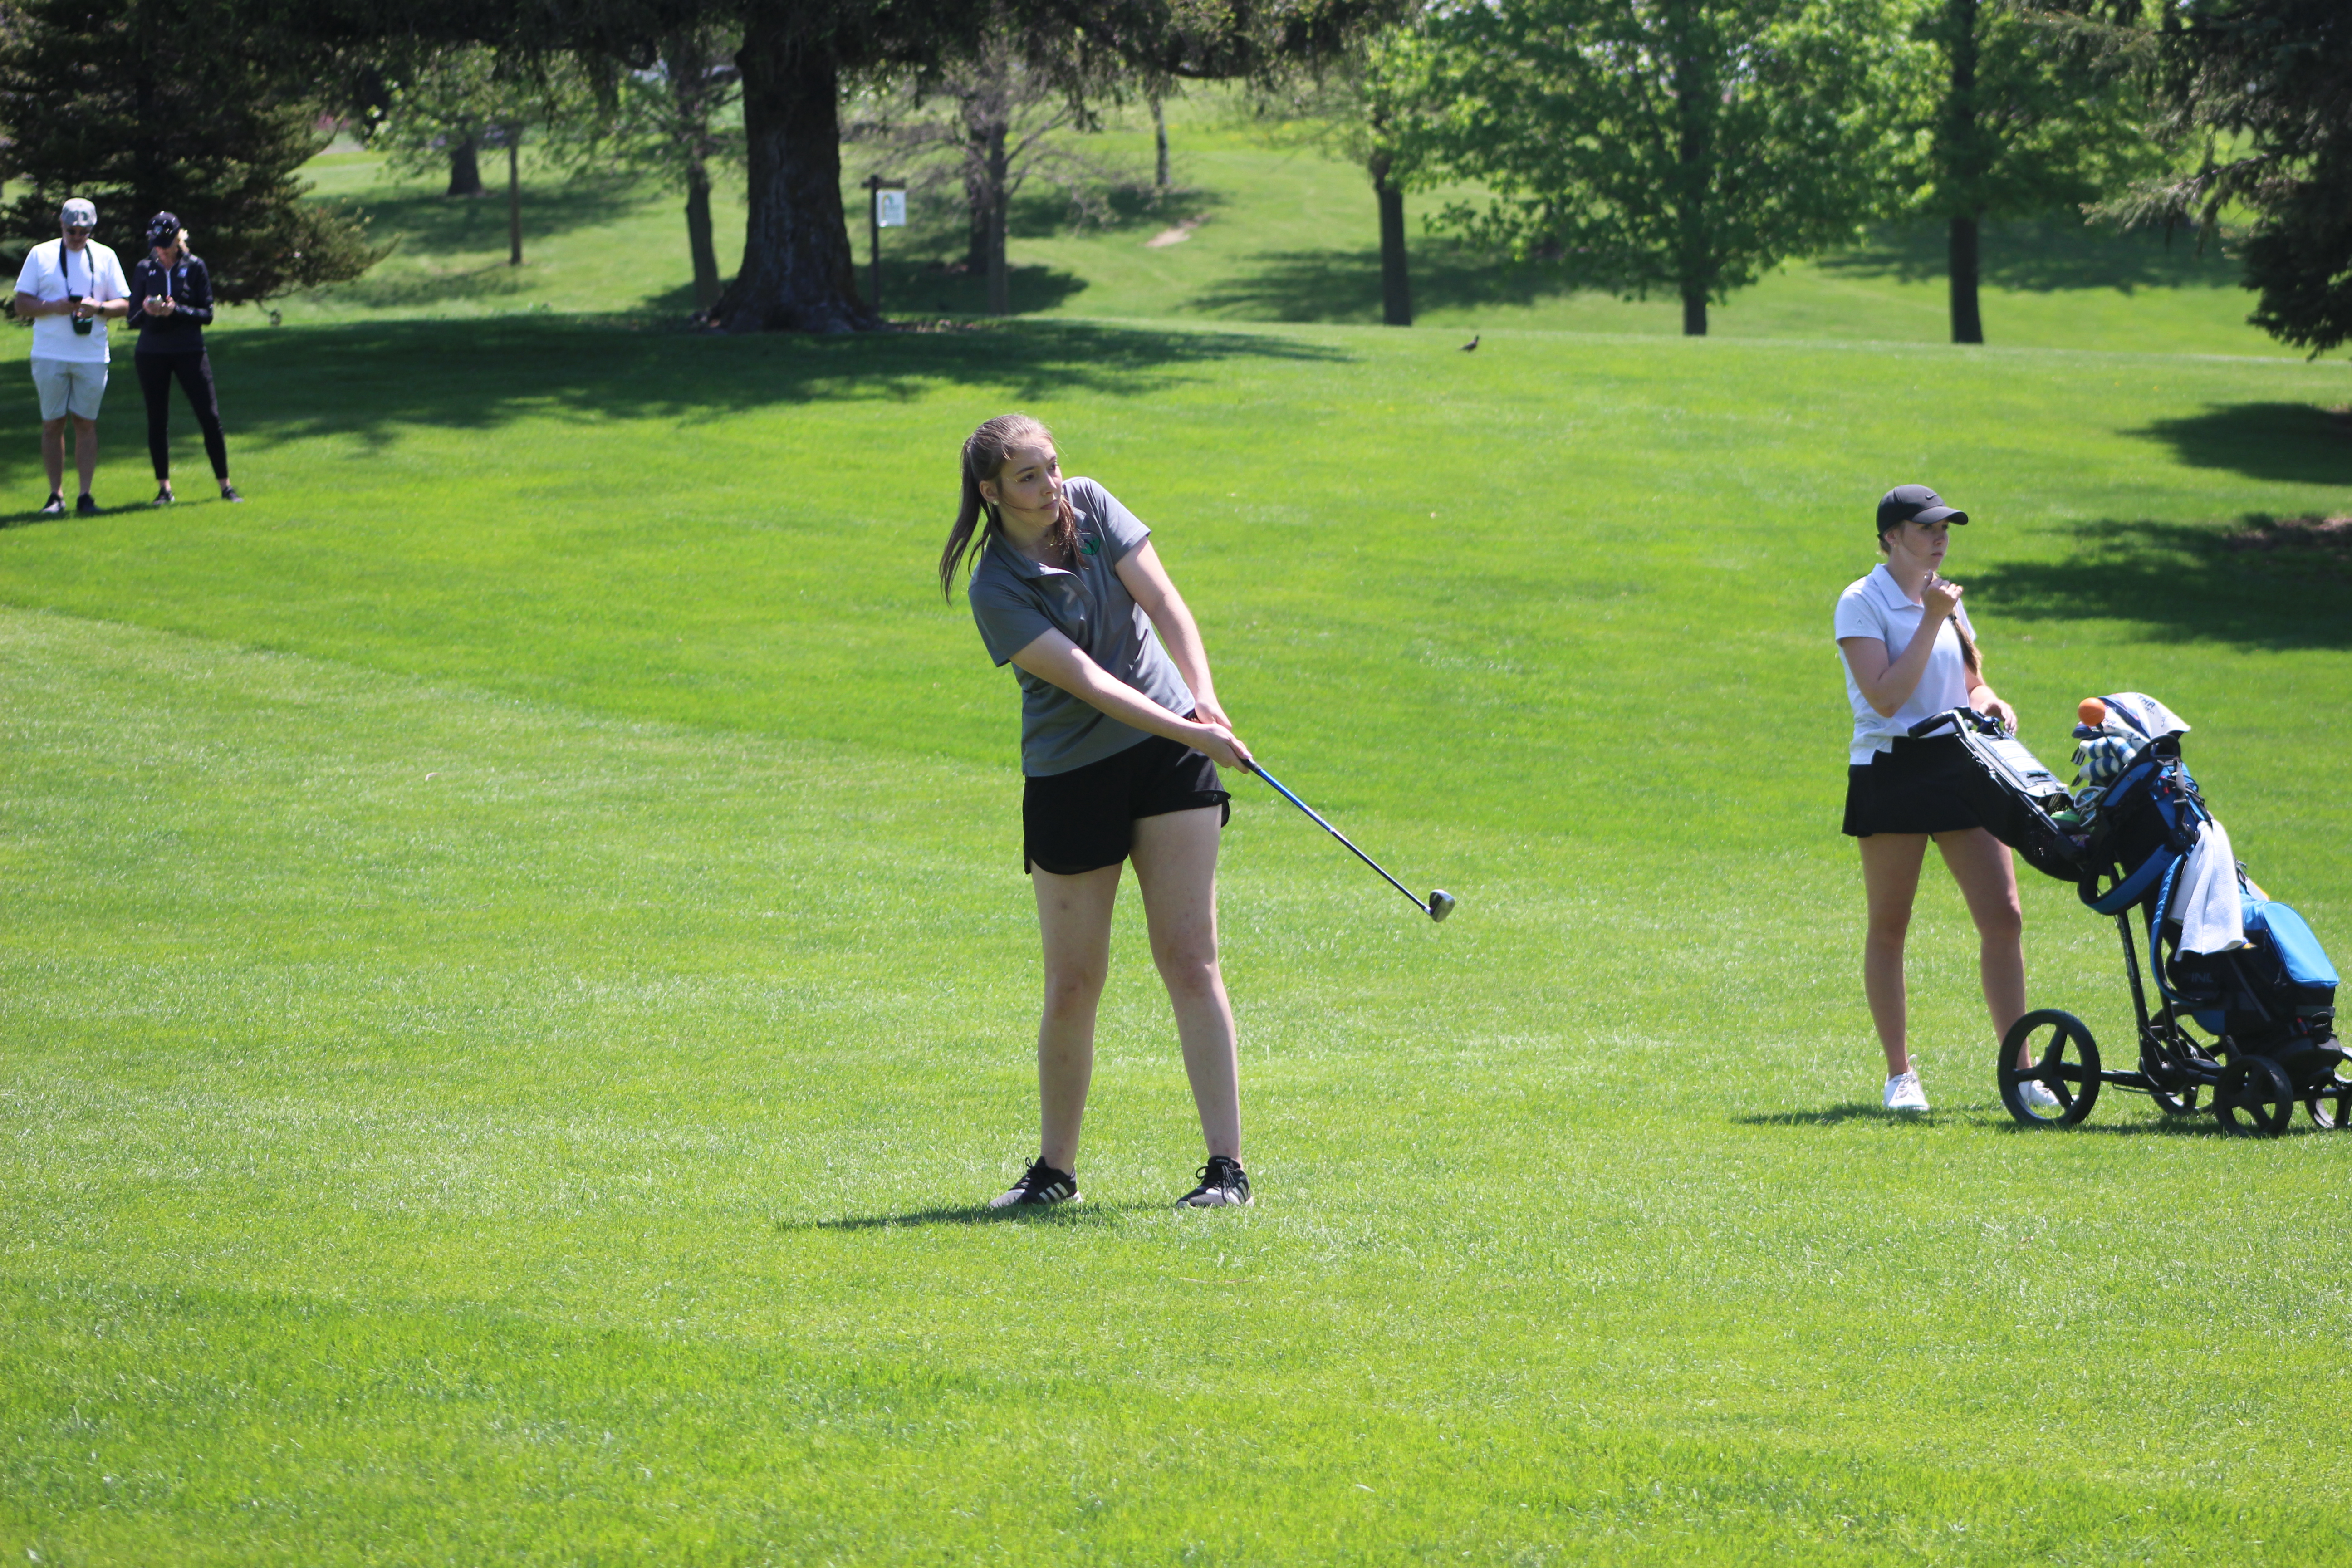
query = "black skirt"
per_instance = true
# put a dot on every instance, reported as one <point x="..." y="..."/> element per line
<point x="1915" y="788"/>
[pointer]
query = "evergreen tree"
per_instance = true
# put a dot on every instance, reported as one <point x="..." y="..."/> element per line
<point x="1682" y="145"/>
<point x="147" y="105"/>
<point x="2260" y="92"/>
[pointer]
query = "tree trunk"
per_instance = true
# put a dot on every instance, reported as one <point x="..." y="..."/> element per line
<point x="1160" y="140"/>
<point x="698" y="235"/>
<point x="466" y="168"/>
<point x="1695" y="99"/>
<point x="1000" y="271"/>
<point x="514" y="197"/>
<point x="1396" y="284"/>
<point x="797" y="273"/>
<point x="1968" y="326"/>
<point x="978" y="208"/>
<point x="1965" y="159"/>
<point x="687" y="54"/>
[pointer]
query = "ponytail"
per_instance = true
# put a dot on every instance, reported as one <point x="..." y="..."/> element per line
<point x="984" y="460"/>
<point x="1968" y="645"/>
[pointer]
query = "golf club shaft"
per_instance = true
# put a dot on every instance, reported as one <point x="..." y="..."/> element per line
<point x="1342" y="838"/>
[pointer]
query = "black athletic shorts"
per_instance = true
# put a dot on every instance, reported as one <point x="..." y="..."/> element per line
<point x="1084" y="819"/>
<point x="1915" y="788"/>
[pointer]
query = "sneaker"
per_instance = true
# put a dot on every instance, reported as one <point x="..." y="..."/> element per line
<point x="1223" y="1184"/>
<point x="228" y="492"/>
<point x="1038" y="1185"/>
<point x="1904" y="1093"/>
<point x="2037" y="1095"/>
<point x="57" y="507"/>
<point x="87" y="506"/>
<point x="164" y="497"/>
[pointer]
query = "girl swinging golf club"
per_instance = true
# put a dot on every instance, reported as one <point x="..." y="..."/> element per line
<point x="1910" y="653"/>
<point x="1121" y="743"/>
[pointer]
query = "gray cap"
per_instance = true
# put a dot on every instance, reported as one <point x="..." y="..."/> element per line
<point x="77" y="210"/>
<point x="1915" y="503"/>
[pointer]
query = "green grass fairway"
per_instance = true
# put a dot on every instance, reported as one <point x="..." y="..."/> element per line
<point x="514" y="972"/>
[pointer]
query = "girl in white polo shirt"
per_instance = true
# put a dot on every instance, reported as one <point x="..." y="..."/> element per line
<point x="1910" y="653"/>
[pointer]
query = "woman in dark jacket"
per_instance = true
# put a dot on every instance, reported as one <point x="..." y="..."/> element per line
<point x="171" y="302"/>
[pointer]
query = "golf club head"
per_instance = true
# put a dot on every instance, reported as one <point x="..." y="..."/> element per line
<point x="1441" y="904"/>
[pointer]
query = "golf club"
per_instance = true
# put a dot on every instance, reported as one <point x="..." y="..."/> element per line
<point x="1441" y="902"/>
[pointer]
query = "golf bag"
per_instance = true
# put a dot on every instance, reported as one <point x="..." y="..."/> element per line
<point x="2014" y="796"/>
<point x="2274" y="994"/>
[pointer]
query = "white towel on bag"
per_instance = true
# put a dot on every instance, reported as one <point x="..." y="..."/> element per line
<point x="2205" y="901"/>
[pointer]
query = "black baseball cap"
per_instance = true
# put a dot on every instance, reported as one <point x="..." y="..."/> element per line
<point x="162" y="229"/>
<point x="1915" y="503"/>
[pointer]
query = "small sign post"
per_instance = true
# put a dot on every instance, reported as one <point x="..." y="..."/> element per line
<point x="886" y="207"/>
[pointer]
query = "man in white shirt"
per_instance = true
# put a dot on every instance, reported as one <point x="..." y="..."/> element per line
<point x="70" y="289"/>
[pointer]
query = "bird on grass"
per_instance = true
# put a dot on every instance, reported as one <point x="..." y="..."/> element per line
<point x="1471" y="344"/>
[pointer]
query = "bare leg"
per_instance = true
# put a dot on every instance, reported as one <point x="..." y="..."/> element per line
<point x="1890" y="880"/>
<point x="85" y="450"/>
<point x="1176" y="866"/>
<point x="1074" y="918"/>
<point x="53" y="453"/>
<point x="1987" y="880"/>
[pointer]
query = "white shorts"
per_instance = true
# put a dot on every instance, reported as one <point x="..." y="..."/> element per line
<point x="69" y="386"/>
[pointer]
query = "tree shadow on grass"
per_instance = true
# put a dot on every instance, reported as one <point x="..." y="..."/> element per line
<point x="2187" y="583"/>
<point x="412" y="289"/>
<point x="423" y="219"/>
<point x="2295" y="443"/>
<point x="2060" y="251"/>
<point x="371" y="380"/>
<point x="1344" y="285"/>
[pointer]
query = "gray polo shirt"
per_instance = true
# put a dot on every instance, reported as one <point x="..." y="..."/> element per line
<point x="1014" y="600"/>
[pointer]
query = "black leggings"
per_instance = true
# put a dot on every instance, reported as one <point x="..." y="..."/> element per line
<point x="194" y="369"/>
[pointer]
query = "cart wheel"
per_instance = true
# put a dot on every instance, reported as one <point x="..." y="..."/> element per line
<point x="2065" y="1062"/>
<point x="2254" y="1089"/>
<point x="2331" y="1108"/>
<point x="2171" y="1085"/>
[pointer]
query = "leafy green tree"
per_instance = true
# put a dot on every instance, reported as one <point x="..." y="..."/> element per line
<point x="990" y="120"/>
<point x="2262" y="91"/>
<point x="1359" y="105"/>
<point x="451" y="104"/>
<point x="2015" y="116"/>
<point x="145" y="105"/>
<point x="674" y="120"/>
<point x="1680" y="144"/>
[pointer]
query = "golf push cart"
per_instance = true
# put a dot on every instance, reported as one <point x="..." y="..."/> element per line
<point x="2245" y="1014"/>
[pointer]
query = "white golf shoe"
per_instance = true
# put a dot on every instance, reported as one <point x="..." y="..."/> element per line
<point x="2037" y="1095"/>
<point x="1904" y="1093"/>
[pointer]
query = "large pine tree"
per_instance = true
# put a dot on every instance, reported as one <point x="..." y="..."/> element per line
<point x="149" y="105"/>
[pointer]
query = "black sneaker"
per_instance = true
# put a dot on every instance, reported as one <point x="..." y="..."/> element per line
<point x="228" y="492"/>
<point x="164" y="497"/>
<point x="57" y="507"/>
<point x="1038" y="1185"/>
<point x="86" y="506"/>
<point x="1223" y="1185"/>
